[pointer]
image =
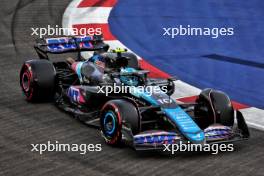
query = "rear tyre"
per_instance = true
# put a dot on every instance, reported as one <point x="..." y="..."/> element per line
<point x="214" y="107"/>
<point x="114" y="114"/>
<point x="37" y="80"/>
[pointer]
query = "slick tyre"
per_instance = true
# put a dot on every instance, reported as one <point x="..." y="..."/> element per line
<point x="214" y="107"/>
<point x="115" y="114"/>
<point x="37" y="80"/>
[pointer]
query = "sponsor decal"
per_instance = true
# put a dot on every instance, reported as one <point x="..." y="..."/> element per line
<point x="75" y="95"/>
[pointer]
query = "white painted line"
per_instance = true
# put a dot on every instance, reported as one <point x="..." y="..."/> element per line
<point x="254" y="117"/>
<point x="183" y="89"/>
<point x="67" y="20"/>
<point x="96" y="15"/>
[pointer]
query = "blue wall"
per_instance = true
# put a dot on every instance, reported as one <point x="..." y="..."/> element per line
<point x="138" y="24"/>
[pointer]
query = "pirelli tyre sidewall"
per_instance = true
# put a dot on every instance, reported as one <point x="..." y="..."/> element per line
<point x="221" y="104"/>
<point x="111" y="123"/>
<point x="114" y="114"/>
<point x="37" y="80"/>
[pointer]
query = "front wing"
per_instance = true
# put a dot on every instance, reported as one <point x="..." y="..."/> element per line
<point x="216" y="133"/>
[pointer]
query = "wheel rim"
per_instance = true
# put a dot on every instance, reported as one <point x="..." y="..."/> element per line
<point x="109" y="123"/>
<point x="26" y="81"/>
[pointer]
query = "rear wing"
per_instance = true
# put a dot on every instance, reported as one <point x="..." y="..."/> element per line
<point x="69" y="44"/>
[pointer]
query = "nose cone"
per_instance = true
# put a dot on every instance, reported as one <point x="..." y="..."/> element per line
<point x="186" y="125"/>
<point x="196" y="137"/>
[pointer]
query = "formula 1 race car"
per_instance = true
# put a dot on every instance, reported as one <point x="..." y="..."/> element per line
<point x="87" y="88"/>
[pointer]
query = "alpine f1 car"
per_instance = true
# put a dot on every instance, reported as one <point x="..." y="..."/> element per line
<point x="140" y="119"/>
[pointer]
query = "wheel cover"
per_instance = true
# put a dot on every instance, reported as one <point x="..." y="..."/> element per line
<point x="109" y="123"/>
<point x="26" y="81"/>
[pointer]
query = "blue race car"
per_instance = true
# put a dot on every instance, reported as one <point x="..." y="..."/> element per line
<point x="141" y="113"/>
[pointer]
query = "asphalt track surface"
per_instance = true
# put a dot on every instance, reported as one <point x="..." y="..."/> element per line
<point x="22" y="123"/>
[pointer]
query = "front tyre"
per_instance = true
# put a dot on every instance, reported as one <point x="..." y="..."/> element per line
<point x="214" y="107"/>
<point x="114" y="114"/>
